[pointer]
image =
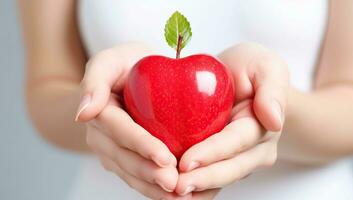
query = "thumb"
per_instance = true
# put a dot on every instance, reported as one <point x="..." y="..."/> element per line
<point x="102" y="72"/>
<point x="270" y="80"/>
<point x="271" y="88"/>
<point x="269" y="106"/>
<point x="106" y="72"/>
<point x="92" y="102"/>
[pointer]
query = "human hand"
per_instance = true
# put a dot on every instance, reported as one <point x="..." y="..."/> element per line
<point x="124" y="147"/>
<point x="261" y="83"/>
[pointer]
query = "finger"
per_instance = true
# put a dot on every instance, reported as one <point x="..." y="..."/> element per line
<point x="236" y="137"/>
<point x="270" y="80"/>
<point x="258" y="71"/>
<point x="205" y="195"/>
<point x="269" y="105"/>
<point x="132" y="163"/>
<point x="128" y="134"/>
<point x="225" y="172"/>
<point x="104" y="72"/>
<point x="237" y="59"/>
<point x="147" y="189"/>
<point x="243" y="109"/>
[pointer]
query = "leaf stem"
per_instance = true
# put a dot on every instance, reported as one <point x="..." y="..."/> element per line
<point x="178" y="50"/>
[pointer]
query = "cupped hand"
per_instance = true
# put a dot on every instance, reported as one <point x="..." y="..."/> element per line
<point x="250" y="140"/>
<point x="125" y="148"/>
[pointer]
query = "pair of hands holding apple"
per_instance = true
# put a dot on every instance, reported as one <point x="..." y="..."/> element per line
<point x="146" y="164"/>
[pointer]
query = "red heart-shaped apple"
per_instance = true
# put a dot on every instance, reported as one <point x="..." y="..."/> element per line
<point x="180" y="101"/>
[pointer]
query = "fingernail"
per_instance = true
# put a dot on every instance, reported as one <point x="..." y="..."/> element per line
<point x="276" y="107"/>
<point x="85" y="101"/>
<point x="192" y="166"/>
<point x="188" y="190"/>
<point x="163" y="187"/>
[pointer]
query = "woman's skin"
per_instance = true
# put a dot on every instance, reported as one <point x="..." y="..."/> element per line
<point x="317" y="126"/>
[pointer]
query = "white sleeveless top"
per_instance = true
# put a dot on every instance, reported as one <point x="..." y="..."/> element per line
<point x="292" y="28"/>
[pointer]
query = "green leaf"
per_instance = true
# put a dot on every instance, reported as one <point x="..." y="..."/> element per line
<point x="176" y="26"/>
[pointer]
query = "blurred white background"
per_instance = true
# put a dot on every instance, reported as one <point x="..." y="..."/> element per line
<point x="29" y="168"/>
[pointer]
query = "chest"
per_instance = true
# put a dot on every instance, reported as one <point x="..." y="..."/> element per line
<point x="215" y="23"/>
<point x="292" y="28"/>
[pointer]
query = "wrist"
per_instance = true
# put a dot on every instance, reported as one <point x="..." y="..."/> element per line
<point x="291" y="103"/>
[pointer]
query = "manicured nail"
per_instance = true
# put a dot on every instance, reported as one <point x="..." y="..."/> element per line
<point x="192" y="165"/>
<point x="276" y="107"/>
<point x="85" y="101"/>
<point x="188" y="190"/>
<point x="163" y="187"/>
